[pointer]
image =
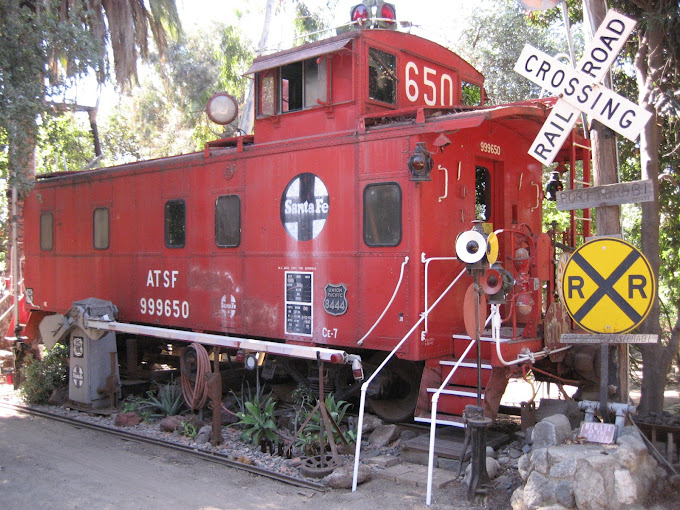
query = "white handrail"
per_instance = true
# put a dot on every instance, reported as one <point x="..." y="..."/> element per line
<point x="394" y="294"/>
<point x="433" y="420"/>
<point x="364" y="386"/>
<point x="426" y="261"/>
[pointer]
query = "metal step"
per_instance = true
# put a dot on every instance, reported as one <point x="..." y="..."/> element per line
<point x="460" y="391"/>
<point x="442" y="419"/>
<point x="486" y="364"/>
<point x="483" y="338"/>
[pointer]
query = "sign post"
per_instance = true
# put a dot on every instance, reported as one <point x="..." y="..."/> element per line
<point x="609" y="288"/>
<point x="580" y="91"/>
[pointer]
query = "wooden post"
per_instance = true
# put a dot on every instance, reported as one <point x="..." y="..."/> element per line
<point x="605" y="171"/>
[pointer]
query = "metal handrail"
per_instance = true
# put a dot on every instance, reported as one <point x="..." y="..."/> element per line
<point x="364" y="386"/>
<point x="433" y="420"/>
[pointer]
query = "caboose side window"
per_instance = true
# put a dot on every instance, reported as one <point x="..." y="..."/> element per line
<point x="382" y="76"/>
<point x="482" y="193"/>
<point x="46" y="231"/>
<point x="316" y="82"/>
<point x="382" y="214"/>
<point x="291" y="87"/>
<point x="472" y="94"/>
<point x="175" y="224"/>
<point x="100" y="228"/>
<point x="228" y="221"/>
<point x="267" y="97"/>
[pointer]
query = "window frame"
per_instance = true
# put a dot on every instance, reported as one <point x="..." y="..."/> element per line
<point x="95" y="229"/>
<point x="394" y="81"/>
<point x="46" y="214"/>
<point x="484" y="192"/>
<point x="400" y="205"/>
<point x="167" y="224"/>
<point x="238" y="241"/>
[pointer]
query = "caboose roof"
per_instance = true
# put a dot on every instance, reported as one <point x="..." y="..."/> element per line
<point x="407" y="42"/>
<point x="299" y="53"/>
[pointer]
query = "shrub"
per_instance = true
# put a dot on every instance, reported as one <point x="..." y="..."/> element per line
<point x="41" y="377"/>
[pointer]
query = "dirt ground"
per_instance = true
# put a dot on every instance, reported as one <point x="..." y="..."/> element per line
<point x="46" y="464"/>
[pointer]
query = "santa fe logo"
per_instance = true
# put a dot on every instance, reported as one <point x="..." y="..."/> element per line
<point x="579" y="89"/>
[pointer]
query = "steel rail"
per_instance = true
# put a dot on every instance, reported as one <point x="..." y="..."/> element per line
<point x="211" y="457"/>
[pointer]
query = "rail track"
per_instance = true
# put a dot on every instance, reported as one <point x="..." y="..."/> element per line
<point x="131" y="436"/>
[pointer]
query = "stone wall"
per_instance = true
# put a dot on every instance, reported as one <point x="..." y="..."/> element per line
<point x="561" y="474"/>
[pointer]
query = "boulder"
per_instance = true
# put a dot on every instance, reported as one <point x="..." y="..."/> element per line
<point x="551" y="431"/>
<point x="171" y="423"/>
<point x="384" y="435"/>
<point x="129" y="419"/>
<point x="371" y="422"/>
<point x="343" y="476"/>
<point x="203" y="435"/>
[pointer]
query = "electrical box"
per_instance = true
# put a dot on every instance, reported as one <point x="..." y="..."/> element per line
<point x="93" y="362"/>
<point x="94" y="380"/>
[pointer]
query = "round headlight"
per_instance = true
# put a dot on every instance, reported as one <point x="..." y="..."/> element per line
<point x="222" y="108"/>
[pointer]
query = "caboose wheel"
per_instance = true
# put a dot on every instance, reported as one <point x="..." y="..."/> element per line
<point x="399" y="385"/>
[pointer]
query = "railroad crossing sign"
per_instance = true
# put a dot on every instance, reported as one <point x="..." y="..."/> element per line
<point x="608" y="286"/>
<point x="579" y="89"/>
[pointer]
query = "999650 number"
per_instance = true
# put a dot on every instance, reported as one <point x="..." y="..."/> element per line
<point x="168" y="308"/>
<point x="490" y="148"/>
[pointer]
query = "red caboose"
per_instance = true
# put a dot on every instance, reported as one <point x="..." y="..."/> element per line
<point x="333" y="226"/>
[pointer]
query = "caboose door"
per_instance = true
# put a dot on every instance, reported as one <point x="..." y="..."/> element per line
<point x="488" y="193"/>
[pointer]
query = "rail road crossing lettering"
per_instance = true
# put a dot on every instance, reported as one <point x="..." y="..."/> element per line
<point x="579" y="90"/>
<point x="608" y="286"/>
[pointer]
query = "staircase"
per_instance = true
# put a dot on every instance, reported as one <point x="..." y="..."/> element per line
<point x="461" y="388"/>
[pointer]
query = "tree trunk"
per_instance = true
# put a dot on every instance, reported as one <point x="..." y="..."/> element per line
<point x="656" y="359"/>
<point x="247" y="115"/>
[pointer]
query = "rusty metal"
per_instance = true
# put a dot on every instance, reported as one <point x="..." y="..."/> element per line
<point x="478" y="425"/>
<point x="555" y="323"/>
<point x="326" y="423"/>
<point x="111" y="387"/>
<point x="527" y="415"/>
<point x="215" y="394"/>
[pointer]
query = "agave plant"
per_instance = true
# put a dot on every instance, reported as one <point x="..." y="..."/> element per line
<point x="167" y="400"/>
<point x="258" y="421"/>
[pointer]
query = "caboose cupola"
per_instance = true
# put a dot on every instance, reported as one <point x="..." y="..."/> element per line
<point x="328" y="86"/>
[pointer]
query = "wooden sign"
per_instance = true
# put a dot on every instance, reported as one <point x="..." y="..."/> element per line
<point x="610" y="194"/>
<point x="595" y="432"/>
<point x="575" y="338"/>
<point x="581" y="87"/>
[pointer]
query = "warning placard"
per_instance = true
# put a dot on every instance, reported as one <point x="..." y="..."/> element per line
<point x="608" y="286"/>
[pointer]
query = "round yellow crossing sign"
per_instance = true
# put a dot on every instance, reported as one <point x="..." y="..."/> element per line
<point x="608" y="286"/>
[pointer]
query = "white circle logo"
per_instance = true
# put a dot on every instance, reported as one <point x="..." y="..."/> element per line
<point x="78" y="376"/>
<point x="304" y="207"/>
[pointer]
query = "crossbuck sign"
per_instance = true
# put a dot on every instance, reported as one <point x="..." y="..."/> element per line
<point x="579" y="89"/>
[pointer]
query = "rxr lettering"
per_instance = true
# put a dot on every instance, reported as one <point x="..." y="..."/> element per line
<point x="157" y="278"/>
<point x="636" y="282"/>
